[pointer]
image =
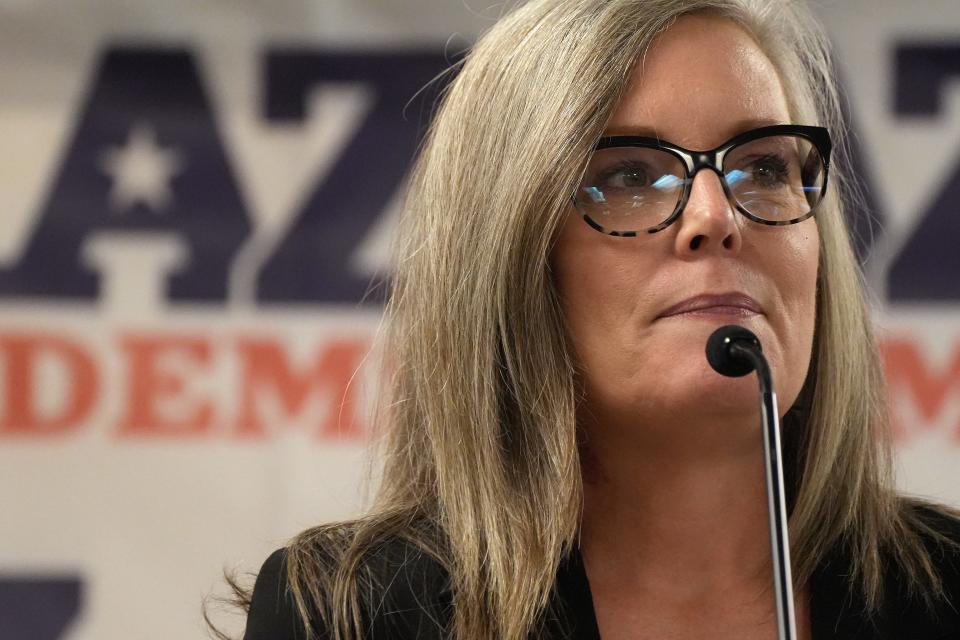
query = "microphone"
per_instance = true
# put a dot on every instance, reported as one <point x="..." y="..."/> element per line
<point x="725" y="350"/>
<point x="734" y="351"/>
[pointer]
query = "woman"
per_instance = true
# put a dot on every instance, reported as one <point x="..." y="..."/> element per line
<point x="560" y="460"/>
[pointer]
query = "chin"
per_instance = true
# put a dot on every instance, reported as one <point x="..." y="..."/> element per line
<point x="715" y="394"/>
<point x="688" y="395"/>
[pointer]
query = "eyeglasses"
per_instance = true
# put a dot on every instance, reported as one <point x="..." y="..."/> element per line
<point x="775" y="175"/>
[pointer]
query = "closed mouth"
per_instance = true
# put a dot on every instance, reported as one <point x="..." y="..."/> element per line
<point x="734" y="303"/>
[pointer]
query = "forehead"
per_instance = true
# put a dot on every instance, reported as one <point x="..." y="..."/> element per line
<point x="702" y="81"/>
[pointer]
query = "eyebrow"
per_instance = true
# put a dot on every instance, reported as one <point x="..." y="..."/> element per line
<point x="650" y="132"/>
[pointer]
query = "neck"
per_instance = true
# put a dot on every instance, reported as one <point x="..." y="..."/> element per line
<point x="691" y="520"/>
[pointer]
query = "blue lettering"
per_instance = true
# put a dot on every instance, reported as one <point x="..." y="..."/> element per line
<point x="38" y="608"/>
<point x="926" y="268"/>
<point x="145" y="157"/>
<point x="313" y="263"/>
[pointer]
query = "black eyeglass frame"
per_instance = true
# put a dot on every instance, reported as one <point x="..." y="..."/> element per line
<point x="694" y="161"/>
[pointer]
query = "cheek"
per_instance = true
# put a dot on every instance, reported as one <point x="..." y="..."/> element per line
<point x="798" y="287"/>
<point x="797" y="265"/>
<point x="601" y="284"/>
<point x="808" y="277"/>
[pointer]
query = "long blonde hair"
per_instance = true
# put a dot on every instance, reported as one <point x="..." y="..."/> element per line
<point x="481" y="468"/>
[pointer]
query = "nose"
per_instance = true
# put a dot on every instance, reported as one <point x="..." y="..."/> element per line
<point x="708" y="222"/>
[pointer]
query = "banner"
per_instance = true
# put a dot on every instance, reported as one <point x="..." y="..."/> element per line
<point x="195" y="200"/>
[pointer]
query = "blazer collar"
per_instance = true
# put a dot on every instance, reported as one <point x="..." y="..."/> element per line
<point x="836" y="611"/>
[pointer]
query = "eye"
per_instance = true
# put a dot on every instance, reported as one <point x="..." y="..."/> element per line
<point x="625" y="175"/>
<point x="768" y="171"/>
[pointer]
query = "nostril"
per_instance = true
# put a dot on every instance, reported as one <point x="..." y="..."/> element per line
<point x="697" y="241"/>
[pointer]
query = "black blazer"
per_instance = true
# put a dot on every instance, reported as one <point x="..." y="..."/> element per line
<point x="416" y="603"/>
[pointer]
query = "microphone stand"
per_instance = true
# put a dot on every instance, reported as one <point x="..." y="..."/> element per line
<point x="776" y="500"/>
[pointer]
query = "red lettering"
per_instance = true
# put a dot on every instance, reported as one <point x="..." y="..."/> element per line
<point x="267" y="370"/>
<point x="157" y="398"/>
<point x="908" y="374"/>
<point x="21" y="414"/>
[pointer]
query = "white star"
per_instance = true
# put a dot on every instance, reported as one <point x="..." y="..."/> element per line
<point x="141" y="171"/>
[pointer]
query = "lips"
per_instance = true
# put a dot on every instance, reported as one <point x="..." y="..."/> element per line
<point x="734" y="303"/>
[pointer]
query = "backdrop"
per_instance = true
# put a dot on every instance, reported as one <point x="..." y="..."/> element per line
<point x="194" y="198"/>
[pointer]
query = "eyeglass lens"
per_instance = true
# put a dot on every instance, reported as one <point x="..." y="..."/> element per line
<point x="774" y="178"/>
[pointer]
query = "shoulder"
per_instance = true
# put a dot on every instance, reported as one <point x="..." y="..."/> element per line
<point x="938" y="529"/>
<point x="930" y="538"/>
<point x="403" y="591"/>
<point x="273" y="612"/>
<point x="409" y="590"/>
<point x="937" y="520"/>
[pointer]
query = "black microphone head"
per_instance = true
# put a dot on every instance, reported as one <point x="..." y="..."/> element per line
<point x="718" y="350"/>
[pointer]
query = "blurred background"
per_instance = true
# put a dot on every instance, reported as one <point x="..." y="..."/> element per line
<point x="194" y="200"/>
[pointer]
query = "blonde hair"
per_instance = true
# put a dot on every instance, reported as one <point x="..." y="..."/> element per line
<point x="481" y="467"/>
